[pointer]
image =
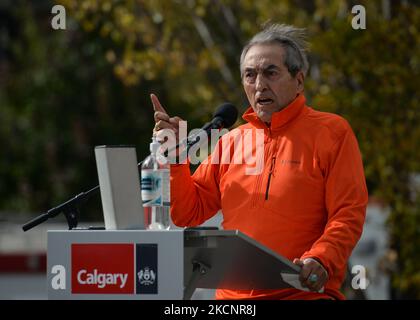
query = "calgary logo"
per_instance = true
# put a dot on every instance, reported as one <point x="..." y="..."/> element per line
<point x="101" y="280"/>
<point x="102" y="268"/>
<point x="146" y="276"/>
<point x="110" y="268"/>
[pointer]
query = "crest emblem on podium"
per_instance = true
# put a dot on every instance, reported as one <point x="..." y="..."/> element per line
<point x="147" y="268"/>
<point x="146" y="276"/>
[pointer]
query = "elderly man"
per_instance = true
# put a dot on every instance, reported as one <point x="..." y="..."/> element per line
<point x="309" y="202"/>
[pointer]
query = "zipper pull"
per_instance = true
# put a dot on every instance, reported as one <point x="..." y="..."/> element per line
<point x="270" y="173"/>
<point x="273" y="161"/>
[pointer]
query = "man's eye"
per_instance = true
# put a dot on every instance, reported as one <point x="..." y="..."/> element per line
<point x="272" y="73"/>
<point x="249" y="75"/>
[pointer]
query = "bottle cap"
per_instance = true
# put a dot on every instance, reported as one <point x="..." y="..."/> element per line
<point x="154" y="145"/>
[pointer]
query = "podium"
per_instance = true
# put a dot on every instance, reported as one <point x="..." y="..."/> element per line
<point x="164" y="265"/>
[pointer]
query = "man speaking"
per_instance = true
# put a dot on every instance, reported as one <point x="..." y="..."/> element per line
<point x="308" y="203"/>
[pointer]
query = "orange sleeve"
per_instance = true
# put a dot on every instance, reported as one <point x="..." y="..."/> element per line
<point x="196" y="198"/>
<point x="346" y="199"/>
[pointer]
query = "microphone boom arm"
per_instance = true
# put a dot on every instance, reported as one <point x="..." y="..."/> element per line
<point x="69" y="208"/>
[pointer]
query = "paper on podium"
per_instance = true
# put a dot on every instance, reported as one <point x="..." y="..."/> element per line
<point x="293" y="280"/>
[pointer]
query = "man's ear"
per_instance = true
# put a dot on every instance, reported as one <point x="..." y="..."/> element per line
<point x="300" y="77"/>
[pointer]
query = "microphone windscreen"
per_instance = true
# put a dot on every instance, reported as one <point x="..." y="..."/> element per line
<point x="228" y="113"/>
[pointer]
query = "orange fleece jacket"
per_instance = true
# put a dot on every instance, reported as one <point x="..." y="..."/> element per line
<point x="309" y="200"/>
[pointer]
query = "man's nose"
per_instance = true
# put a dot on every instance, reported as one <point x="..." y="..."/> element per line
<point x="260" y="83"/>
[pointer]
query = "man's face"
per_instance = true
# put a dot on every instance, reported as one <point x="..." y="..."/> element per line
<point x="267" y="83"/>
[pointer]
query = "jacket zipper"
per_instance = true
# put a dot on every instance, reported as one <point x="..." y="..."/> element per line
<point x="273" y="161"/>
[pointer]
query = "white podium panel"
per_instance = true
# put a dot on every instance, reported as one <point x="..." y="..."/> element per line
<point x="111" y="264"/>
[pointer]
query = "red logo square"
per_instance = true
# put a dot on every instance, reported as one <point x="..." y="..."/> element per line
<point x="102" y="268"/>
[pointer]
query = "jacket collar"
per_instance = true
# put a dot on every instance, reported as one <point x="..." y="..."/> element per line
<point x="279" y="118"/>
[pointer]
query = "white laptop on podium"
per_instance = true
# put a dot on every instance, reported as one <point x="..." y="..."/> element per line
<point x="119" y="183"/>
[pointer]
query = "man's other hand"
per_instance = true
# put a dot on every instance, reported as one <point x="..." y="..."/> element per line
<point x="312" y="275"/>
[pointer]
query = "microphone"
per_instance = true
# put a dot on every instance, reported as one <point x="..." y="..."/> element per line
<point x="224" y="117"/>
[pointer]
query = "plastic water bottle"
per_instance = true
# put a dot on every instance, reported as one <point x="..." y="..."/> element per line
<point x="155" y="189"/>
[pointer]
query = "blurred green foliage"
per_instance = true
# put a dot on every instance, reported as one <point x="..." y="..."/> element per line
<point x="62" y="92"/>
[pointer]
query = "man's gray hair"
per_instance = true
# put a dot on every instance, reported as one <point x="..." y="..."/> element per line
<point x="291" y="38"/>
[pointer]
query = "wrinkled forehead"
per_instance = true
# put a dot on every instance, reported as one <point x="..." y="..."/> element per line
<point x="263" y="56"/>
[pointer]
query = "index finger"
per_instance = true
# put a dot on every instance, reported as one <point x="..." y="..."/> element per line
<point x="156" y="104"/>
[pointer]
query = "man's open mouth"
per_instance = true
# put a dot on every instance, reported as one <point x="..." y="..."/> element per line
<point x="264" y="101"/>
